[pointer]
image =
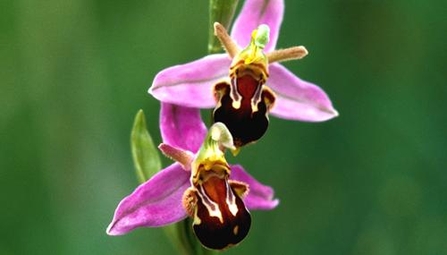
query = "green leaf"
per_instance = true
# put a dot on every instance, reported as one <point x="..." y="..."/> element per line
<point x="221" y="11"/>
<point x="144" y="153"/>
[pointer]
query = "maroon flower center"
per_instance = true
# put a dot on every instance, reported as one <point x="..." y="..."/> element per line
<point x="221" y="219"/>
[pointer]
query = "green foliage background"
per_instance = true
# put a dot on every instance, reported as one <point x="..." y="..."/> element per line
<point x="73" y="74"/>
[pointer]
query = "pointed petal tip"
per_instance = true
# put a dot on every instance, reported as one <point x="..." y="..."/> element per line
<point x="149" y="91"/>
<point x="335" y="112"/>
<point x="265" y="205"/>
<point x="332" y="113"/>
<point x="260" y="196"/>
<point x="306" y="112"/>
<point x="154" y="203"/>
<point x="329" y="114"/>
<point x="111" y="231"/>
<point x="261" y="203"/>
<point x="273" y="204"/>
<point x="297" y="99"/>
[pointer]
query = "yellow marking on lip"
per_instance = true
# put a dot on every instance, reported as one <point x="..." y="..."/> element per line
<point x="236" y="230"/>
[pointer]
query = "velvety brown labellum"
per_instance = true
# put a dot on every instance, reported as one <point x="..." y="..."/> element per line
<point x="221" y="219"/>
<point x="246" y="118"/>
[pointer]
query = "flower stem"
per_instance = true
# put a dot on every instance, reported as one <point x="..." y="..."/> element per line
<point x="221" y="11"/>
<point x="182" y="235"/>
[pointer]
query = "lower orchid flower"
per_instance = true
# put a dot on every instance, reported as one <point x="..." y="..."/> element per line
<point x="201" y="184"/>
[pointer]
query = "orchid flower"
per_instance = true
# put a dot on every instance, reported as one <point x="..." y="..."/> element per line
<point x="243" y="95"/>
<point x="201" y="184"/>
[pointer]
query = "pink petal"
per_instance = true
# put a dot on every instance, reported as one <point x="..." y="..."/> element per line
<point x="182" y="127"/>
<point x="191" y="84"/>
<point x="298" y="99"/>
<point x="155" y="203"/>
<point x="260" y="196"/>
<point x="255" y="13"/>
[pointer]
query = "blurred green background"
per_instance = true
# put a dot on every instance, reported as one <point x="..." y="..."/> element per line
<point x="74" y="73"/>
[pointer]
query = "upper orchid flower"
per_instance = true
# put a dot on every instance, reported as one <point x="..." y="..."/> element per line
<point x="213" y="81"/>
<point x="201" y="184"/>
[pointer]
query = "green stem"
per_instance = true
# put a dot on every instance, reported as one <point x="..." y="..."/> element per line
<point x="221" y="11"/>
<point x="185" y="240"/>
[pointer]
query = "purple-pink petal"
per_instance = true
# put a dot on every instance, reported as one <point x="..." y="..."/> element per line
<point x="255" y="13"/>
<point x="260" y="196"/>
<point x="157" y="202"/>
<point x="191" y="84"/>
<point x="182" y="127"/>
<point x="298" y="99"/>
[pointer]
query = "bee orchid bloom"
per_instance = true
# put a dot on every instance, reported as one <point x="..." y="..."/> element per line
<point x="201" y="184"/>
<point x="199" y="83"/>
